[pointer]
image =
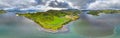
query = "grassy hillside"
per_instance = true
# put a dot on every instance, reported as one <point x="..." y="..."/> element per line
<point x="52" y="19"/>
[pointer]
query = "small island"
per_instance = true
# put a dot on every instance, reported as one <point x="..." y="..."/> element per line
<point x="96" y="12"/>
<point x="2" y="12"/>
<point x="52" y="20"/>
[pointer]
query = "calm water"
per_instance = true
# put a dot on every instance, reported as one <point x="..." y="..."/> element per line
<point x="88" y="26"/>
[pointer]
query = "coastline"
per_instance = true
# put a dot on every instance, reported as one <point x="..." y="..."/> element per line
<point x="64" y="28"/>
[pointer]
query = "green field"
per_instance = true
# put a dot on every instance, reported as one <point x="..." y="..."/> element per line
<point x="52" y="19"/>
<point x="96" y="12"/>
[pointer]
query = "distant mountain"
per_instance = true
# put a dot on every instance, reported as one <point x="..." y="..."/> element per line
<point x="97" y="12"/>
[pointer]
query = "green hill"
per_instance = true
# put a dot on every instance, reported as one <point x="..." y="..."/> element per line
<point x="52" y="19"/>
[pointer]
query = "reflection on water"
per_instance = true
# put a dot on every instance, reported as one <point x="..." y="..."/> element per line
<point x="103" y="26"/>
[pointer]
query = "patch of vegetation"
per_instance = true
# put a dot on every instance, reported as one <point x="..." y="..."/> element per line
<point x="52" y="19"/>
<point x="2" y="11"/>
<point x="96" y="12"/>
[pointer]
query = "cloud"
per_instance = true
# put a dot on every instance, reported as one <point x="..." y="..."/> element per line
<point x="58" y="4"/>
<point x="105" y="4"/>
<point x="82" y="4"/>
<point x="43" y="4"/>
<point x="16" y="3"/>
<point x="39" y="1"/>
<point x="35" y="4"/>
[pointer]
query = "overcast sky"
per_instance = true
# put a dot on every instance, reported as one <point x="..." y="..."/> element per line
<point x="51" y="4"/>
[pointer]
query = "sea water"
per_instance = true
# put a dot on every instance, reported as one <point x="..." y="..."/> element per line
<point x="12" y="26"/>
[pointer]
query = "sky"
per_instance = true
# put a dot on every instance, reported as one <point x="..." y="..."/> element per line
<point x="59" y="4"/>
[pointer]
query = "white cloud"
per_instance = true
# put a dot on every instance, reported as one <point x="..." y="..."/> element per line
<point x="82" y="4"/>
<point x="16" y="3"/>
<point x="105" y="4"/>
<point x="34" y="4"/>
<point x="51" y="4"/>
<point x="58" y="3"/>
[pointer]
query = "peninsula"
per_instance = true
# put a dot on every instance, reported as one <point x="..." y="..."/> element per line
<point x="53" y="19"/>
